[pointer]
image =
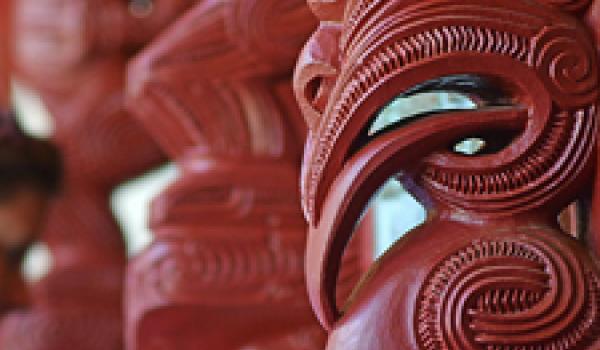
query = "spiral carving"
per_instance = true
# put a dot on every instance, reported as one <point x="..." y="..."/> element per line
<point x="555" y="144"/>
<point x="386" y="61"/>
<point x="510" y="294"/>
<point x="566" y="65"/>
<point x="564" y="61"/>
<point x="487" y="286"/>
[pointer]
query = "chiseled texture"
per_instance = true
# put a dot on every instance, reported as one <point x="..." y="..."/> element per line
<point x="490" y="268"/>
<point x="225" y="269"/>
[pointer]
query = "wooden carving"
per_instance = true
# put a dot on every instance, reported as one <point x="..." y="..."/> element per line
<point x="225" y="270"/>
<point x="490" y="268"/>
<point x="73" y="52"/>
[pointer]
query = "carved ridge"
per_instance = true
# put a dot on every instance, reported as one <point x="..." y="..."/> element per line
<point x="549" y="150"/>
<point x="508" y="294"/>
<point x="570" y="74"/>
<point x="233" y="272"/>
<point x="388" y="59"/>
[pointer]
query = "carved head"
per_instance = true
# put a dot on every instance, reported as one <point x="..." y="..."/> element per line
<point x="529" y="70"/>
<point x="57" y="36"/>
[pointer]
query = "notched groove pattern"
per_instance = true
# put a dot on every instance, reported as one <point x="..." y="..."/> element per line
<point x="517" y="175"/>
<point x="431" y="43"/>
<point x="509" y="295"/>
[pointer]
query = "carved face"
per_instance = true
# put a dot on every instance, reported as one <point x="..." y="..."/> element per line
<point x="57" y="36"/>
<point x="529" y="70"/>
<point x="51" y="34"/>
<point x="396" y="58"/>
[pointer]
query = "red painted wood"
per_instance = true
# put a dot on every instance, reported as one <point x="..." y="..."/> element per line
<point x="6" y="8"/>
<point x="225" y="269"/>
<point x="74" y="54"/>
<point x="13" y="292"/>
<point x="490" y="268"/>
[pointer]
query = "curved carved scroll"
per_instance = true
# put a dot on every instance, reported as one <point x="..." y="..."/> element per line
<point x="501" y="275"/>
<point x="215" y="92"/>
<point x="542" y="288"/>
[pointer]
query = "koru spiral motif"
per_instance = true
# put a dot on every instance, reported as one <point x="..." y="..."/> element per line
<point x="490" y="268"/>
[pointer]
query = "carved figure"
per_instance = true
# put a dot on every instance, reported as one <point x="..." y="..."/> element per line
<point x="225" y="270"/>
<point x="73" y="52"/>
<point x="490" y="268"/>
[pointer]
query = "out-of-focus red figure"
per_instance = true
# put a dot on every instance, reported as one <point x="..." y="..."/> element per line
<point x="73" y="52"/>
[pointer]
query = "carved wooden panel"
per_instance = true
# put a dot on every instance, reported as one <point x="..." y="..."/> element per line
<point x="225" y="270"/>
<point x="73" y="52"/>
<point x="490" y="268"/>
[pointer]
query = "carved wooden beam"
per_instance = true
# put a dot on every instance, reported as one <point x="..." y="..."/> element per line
<point x="73" y="52"/>
<point x="490" y="268"/>
<point x="226" y="267"/>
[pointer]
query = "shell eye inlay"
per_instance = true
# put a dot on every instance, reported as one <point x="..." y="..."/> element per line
<point x="470" y="146"/>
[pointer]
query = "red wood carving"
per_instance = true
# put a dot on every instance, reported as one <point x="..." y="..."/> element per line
<point x="490" y="268"/>
<point x="74" y="53"/>
<point x="21" y="197"/>
<point x="6" y="8"/>
<point x="225" y="270"/>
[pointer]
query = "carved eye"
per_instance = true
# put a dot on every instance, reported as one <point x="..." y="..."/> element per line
<point x="470" y="146"/>
<point x="489" y="143"/>
<point x="141" y="8"/>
